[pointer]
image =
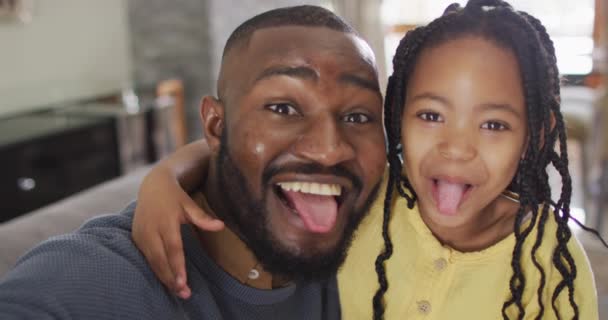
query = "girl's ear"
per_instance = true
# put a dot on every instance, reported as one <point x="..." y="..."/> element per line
<point x="212" y="118"/>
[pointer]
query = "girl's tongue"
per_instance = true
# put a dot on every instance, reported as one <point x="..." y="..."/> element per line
<point x="318" y="212"/>
<point x="449" y="196"/>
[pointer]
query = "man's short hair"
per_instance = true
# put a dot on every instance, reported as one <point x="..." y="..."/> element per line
<point x="304" y="15"/>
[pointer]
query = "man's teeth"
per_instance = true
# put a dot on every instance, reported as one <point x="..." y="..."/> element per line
<point x="323" y="189"/>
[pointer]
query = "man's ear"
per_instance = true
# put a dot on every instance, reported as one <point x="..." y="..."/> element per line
<point x="212" y="118"/>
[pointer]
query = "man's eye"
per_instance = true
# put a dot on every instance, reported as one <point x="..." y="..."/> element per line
<point x="430" y="116"/>
<point x="356" y="118"/>
<point x="495" y="126"/>
<point x="283" y="108"/>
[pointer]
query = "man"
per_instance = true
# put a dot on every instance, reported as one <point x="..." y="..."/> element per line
<point x="298" y="154"/>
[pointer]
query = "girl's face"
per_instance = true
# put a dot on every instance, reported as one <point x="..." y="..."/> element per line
<point x="464" y="130"/>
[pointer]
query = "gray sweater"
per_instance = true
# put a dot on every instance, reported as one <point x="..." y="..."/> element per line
<point x="97" y="272"/>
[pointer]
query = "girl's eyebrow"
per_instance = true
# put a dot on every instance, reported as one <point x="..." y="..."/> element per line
<point x="482" y="107"/>
<point x="431" y="96"/>
<point x="500" y="107"/>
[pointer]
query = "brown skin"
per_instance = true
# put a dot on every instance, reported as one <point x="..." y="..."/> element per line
<point x="240" y="260"/>
<point x="163" y="206"/>
<point x="484" y="222"/>
<point x="465" y="120"/>
<point x="326" y="127"/>
<point x="294" y="95"/>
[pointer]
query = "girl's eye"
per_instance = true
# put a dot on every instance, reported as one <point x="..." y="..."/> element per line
<point x="283" y="108"/>
<point x="356" y="118"/>
<point x="430" y="116"/>
<point x="495" y="126"/>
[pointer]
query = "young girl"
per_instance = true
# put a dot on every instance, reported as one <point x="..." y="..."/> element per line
<point x="472" y="121"/>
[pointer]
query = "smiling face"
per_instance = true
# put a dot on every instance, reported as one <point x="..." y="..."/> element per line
<point x="464" y="130"/>
<point x="300" y="118"/>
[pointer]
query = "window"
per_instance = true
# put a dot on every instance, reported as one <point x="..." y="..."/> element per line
<point x="569" y="23"/>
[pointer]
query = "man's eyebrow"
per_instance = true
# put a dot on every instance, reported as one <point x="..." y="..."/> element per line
<point x="360" y="81"/>
<point x="308" y="73"/>
<point x="295" y="72"/>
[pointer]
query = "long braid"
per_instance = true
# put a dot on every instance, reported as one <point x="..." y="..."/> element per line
<point x="560" y="162"/>
<point x="562" y="259"/>
<point x="527" y="173"/>
<point x="539" y="190"/>
<point x="388" y="251"/>
<point x="394" y="95"/>
<point x="553" y="76"/>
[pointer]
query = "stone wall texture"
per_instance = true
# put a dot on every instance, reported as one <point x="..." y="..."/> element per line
<point x="184" y="39"/>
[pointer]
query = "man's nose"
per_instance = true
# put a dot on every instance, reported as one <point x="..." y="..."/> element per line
<point x="323" y="141"/>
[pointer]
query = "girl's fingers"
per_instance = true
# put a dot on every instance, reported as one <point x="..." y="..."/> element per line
<point x="200" y="218"/>
<point x="157" y="258"/>
<point x="173" y="247"/>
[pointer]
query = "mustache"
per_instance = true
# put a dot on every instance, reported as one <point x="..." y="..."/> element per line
<point x="312" y="168"/>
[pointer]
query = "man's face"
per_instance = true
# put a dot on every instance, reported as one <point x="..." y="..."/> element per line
<point x="302" y="150"/>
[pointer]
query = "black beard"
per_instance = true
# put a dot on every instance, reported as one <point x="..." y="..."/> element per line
<point x="248" y="218"/>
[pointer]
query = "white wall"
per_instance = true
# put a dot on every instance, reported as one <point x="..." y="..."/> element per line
<point x="71" y="50"/>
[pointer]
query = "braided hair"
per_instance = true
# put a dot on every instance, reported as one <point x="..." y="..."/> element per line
<point x="527" y="38"/>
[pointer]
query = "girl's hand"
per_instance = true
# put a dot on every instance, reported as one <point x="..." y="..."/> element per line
<point x="162" y="207"/>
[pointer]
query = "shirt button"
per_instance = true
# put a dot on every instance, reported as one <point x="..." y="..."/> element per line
<point x="440" y="264"/>
<point x="424" y="306"/>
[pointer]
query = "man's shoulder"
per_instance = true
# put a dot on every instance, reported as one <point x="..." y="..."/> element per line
<point x="104" y="239"/>
<point x="96" y="267"/>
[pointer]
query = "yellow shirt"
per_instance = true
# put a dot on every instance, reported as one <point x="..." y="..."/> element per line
<point x="431" y="281"/>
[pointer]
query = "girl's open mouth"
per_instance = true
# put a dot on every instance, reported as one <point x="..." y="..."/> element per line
<point x="449" y="195"/>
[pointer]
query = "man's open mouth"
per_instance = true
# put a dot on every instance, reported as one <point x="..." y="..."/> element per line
<point x="317" y="204"/>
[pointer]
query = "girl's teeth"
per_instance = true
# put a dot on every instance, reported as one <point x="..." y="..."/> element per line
<point x="324" y="189"/>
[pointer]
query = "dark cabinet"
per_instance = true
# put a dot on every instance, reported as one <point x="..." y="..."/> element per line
<point x="44" y="158"/>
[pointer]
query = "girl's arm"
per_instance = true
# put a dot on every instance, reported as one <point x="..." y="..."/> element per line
<point x="163" y="205"/>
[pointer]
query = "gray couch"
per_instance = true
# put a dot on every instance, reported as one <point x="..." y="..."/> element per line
<point x="21" y="234"/>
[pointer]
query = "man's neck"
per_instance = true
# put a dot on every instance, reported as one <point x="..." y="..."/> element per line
<point x="229" y="251"/>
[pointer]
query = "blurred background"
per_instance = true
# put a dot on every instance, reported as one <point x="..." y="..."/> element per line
<point x="93" y="92"/>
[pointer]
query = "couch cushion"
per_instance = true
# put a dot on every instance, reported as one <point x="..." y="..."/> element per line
<point x="19" y="235"/>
